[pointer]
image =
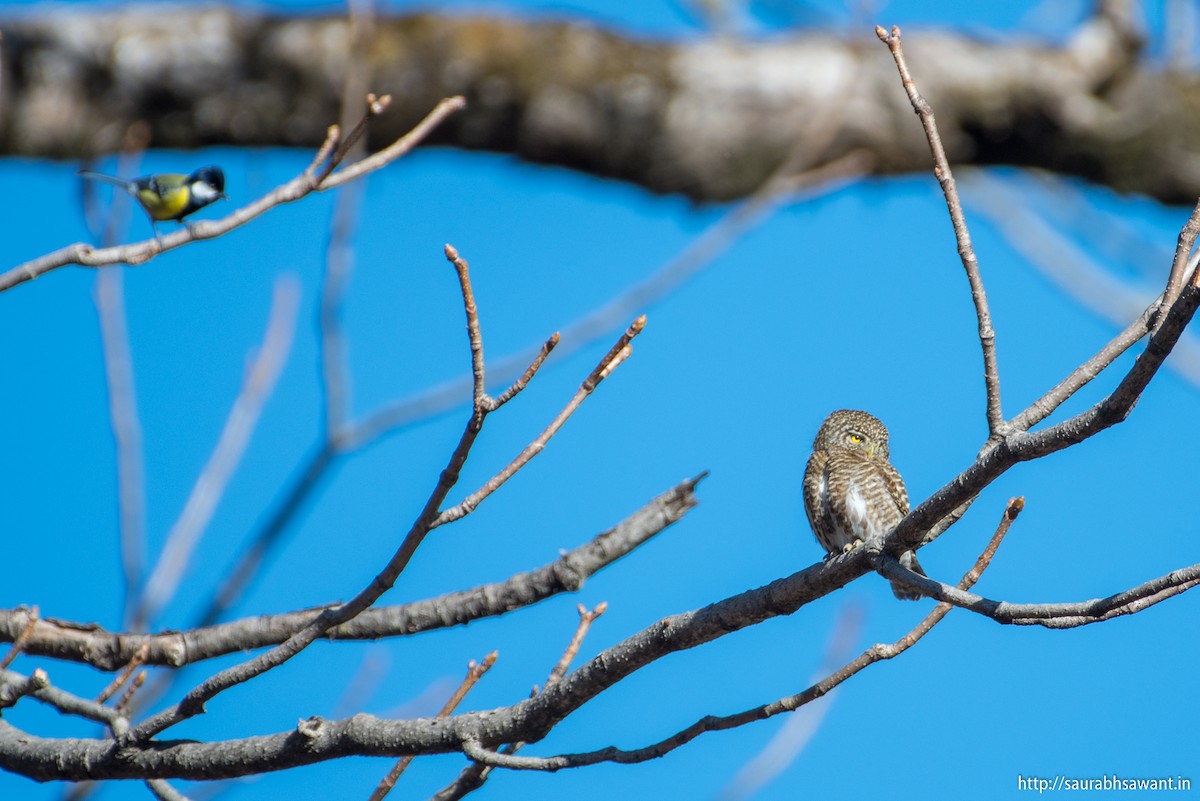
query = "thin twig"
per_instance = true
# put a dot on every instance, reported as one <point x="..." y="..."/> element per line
<point x="210" y="485"/>
<point x="474" y="334"/>
<point x="65" y="702"/>
<point x="523" y="381"/>
<point x="133" y="687"/>
<point x="127" y="433"/>
<point x="620" y="351"/>
<point x="339" y="256"/>
<point x="400" y="147"/>
<point x="333" y="135"/>
<point x="586" y="618"/>
<point x="22" y="638"/>
<point x="109" y="297"/>
<point x="12" y="691"/>
<point x="339" y="261"/>
<point x="1183" y="250"/>
<point x="139" y="659"/>
<point x="164" y="791"/>
<point x="966" y="251"/>
<point x="474" y="776"/>
<point x="474" y="674"/>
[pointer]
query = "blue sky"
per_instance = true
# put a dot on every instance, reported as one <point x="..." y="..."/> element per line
<point x="855" y="298"/>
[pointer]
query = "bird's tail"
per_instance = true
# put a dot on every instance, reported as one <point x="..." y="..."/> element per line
<point x="108" y="179"/>
<point x="909" y="560"/>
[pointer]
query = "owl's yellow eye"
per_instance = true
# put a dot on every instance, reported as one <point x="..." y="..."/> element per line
<point x="856" y="438"/>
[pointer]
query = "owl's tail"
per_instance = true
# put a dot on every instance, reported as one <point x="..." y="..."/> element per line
<point x="909" y="560"/>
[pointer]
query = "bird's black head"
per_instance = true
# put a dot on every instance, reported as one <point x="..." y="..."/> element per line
<point x="213" y="176"/>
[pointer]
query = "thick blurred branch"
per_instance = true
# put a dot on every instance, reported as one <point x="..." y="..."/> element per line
<point x="712" y="119"/>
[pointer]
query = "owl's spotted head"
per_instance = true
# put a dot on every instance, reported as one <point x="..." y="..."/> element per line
<point x="849" y="429"/>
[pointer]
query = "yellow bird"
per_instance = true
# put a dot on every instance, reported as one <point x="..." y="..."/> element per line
<point x="170" y="196"/>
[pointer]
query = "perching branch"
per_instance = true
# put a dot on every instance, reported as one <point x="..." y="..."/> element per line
<point x="710" y="723"/>
<point x="314" y="179"/>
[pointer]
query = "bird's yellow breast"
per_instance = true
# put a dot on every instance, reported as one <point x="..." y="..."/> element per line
<point x="162" y="201"/>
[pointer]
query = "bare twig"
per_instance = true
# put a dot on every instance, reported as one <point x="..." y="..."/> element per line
<point x="127" y="433"/>
<point x="133" y="687"/>
<point x="12" y="691"/>
<point x="398" y="148"/>
<point x="474" y="674"/>
<point x="966" y="251"/>
<point x="799" y="728"/>
<point x="586" y="618"/>
<point x="164" y="791"/>
<point x="1183" y="250"/>
<point x="139" y="659"/>
<point x="619" y="352"/>
<point x="304" y="184"/>
<point x="339" y="256"/>
<point x="474" y="776"/>
<point x="65" y="702"/>
<point x="19" y="643"/>
<point x="259" y="381"/>
<point x="107" y="650"/>
<point x="193" y="702"/>
<point x="519" y="385"/>
<point x="1044" y="406"/>
<point x="109" y="297"/>
<point x="339" y="261"/>
<point x="474" y="334"/>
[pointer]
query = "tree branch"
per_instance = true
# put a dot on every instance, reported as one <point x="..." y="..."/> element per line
<point x="710" y="723"/>
<point x="966" y="251"/>
<point x="1051" y="615"/>
<point x="302" y="185"/>
<point x="193" y="702"/>
<point x="644" y="110"/>
<point x="105" y="650"/>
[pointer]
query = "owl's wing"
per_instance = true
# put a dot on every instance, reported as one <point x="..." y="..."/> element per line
<point x="895" y="486"/>
<point x="813" y="473"/>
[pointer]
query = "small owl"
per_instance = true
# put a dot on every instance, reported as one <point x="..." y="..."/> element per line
<point x="851" y="490"/>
